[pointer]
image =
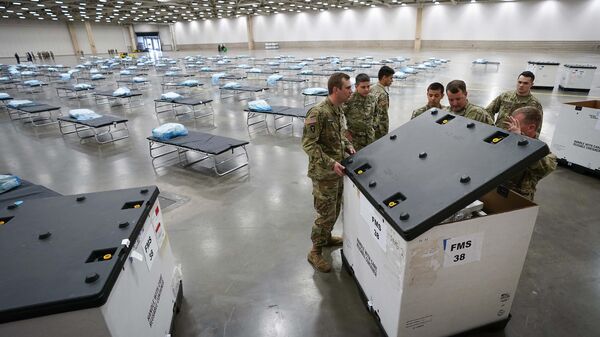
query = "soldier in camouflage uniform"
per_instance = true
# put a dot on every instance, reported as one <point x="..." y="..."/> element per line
<point x="359" y="112"/>
<point x="435" y="93"/>
<point x="460" y="105"/>
<point x="381" y="123"/>
<point x="526" y="121"/>
<point x="325" y="143"/>
<point x="509" y="101"/>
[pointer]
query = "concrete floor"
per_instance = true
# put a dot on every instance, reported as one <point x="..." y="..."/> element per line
<point x="242" y="239"/>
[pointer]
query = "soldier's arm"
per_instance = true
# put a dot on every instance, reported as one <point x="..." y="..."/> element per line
<point x="418" y="112"/>
<point x="543" y="167"/>
<point x="313" y="125"/>
<point x="494" y="106"/>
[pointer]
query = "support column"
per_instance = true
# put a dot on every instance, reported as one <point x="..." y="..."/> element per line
<point x="90" y="35"/>
<point x="172" y="30"/>
<point x="419" y="28"/>
<point x="132" y="38"/>
<point x="74" y="41"/>
<point x="250" y="31"/>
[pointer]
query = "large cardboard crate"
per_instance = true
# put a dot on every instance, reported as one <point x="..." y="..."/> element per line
<point x="421" y="275"/>
<point x="98" y="264"/>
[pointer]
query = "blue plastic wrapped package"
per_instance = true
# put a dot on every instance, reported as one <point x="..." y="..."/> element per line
<point x="27" y="73"/>
<point x="272" y="80"/>
<point x="172" y="62"/>
<point x="80" y="66"/>
<point x="206" y="69"/>
<point x="216" y="77"/>
<point x="4" y="95"/>
<point x="254" y="70"/>
<point x="231" y="85"/>
<point x="83" y="86"/>
<point x="4" y="78"/>
<point x="65" y="77"/>
<point x="33" y="83"/>
<point x="125" y="72"/>
<point x="18" y="103"/>
<point x="259" y="105"/>
<point x="295" y="67"/>
<point x="160" y="65"/>
<point x="400" y="75"/>
<point x="273" y="63"/>
<point x="170" y="73"/>
<point x="244" y="66"/>
<point x="169" y="131"/>
<point x="122" y="91"/>
<point x="8" y="182"/>
<point x="315" y="91"/>
<point x="83" y="114"/>
<point x="335" y="61"/>
<point x="94" y="71"/>
<point x="221" y="62"/>
<point x="408" y="70"/>
<point x="174" y="68"/>
<point x="306" y="72"/>
<point x="132" y="68"/>
<point x="190" y="83"/>
<point x="97" y="77"/>
<point x="88" y="63"/>
<point x="139" y="79"/>
<point x="52" y="70"/>
<point x="170" y="96"/>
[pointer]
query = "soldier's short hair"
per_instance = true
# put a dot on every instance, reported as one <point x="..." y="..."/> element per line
<point x="385" y="71"/>
<point x="336" y="80"/>
<point x="436" y="86"/>
<point x="456" y="86"/>
<point x="532" y="115"/>
<point x="362" y="78"/>
<point x="527" y="73"/>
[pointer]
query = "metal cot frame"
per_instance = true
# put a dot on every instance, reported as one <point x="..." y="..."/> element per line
<point x="161" y="106"/>
<point x="96" y="132"/>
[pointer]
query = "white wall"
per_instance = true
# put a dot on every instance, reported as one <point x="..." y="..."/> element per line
<point x="211" y="31"/>
<point x="28" y="35"/>
<point x="546" y="20"/>
<point x="164" y="32"/>
<point x="110" y="37"/>
<point x="395" y="23"/>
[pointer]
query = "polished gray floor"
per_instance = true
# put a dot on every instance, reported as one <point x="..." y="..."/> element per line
<point x="242" y="239"/>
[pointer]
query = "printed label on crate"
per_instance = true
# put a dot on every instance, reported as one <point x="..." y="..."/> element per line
<point x="377" y="225"/>
<point x="157" y="224"/>
<point x="462" y="249"/>
<point x="149" y="247"/>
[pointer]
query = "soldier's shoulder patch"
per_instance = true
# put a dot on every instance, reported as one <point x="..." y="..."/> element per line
<point x="310" y="120"/>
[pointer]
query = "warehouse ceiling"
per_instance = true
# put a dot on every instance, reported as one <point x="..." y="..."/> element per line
<point x="169" y="11"/>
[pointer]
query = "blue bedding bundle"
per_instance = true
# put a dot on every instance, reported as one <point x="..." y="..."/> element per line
<point x="169" y="131"/>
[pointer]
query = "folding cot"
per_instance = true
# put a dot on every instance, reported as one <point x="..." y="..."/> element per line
<point x="134" y="84"/>
<point x="8" y="84"/>
<point x="131" y="100"/>
<point x="315" y="95"/>
<point x="105" y="129"/>
<point x="73" y="91"/>
<point x="485" y="63"/>
<point x="242" y="89"/>
<point x="179" y="85"/>
<point x="254" y="117"/>
<point x="26" y="191"/>
<point x="189" y="104"/>
<point x="31" y="88"/>
<point x="208" y="146"/>
<point x="38" y="114"/>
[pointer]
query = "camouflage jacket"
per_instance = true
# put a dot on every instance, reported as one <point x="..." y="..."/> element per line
<point x="359" y="112"/>
<point x="421" y="110"/>
<point x="323" y="139"/>
<point x="475" y="112"/>
<point x="381" y="122"/>
<point x="509" y="101"/>
<point x="525" y="182"/>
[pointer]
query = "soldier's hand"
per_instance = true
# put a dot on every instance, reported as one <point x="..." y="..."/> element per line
<point x="512" y="124"/>
<point x="349" y="135"/>
<point x="338" y="169"/>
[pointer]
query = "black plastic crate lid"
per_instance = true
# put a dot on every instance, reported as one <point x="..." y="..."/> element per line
<point x="438" y="168"/>
<point x="46" y="274"/>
